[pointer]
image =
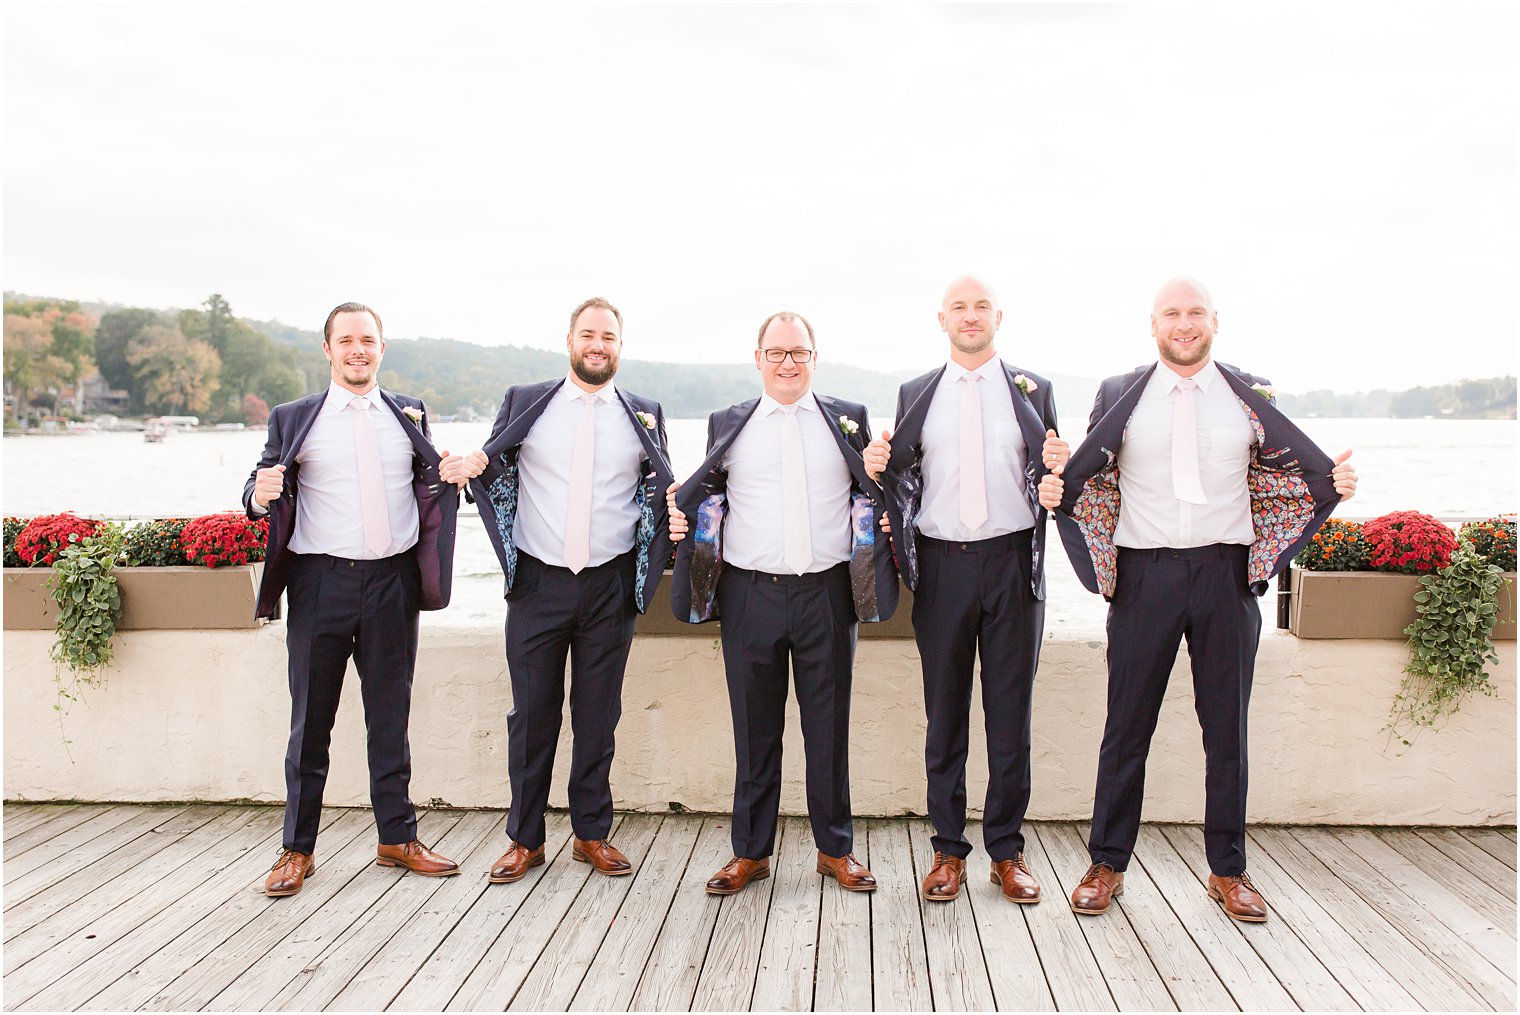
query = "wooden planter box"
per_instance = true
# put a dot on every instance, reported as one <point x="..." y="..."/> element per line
<point x="169" y="598"/>
<point x="1361" y="604"/>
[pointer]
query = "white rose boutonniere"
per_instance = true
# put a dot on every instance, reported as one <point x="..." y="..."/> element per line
<point x="1265" y="391"/>
<point x="646" y="419"/>
<point x="412" y="413"/>
<point x="1024" y="384"/>
<point x="848" y="426"/>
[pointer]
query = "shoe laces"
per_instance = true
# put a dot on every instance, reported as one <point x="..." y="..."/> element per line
<point x="1022" y="864"/>
<point x="286" y="856"/>
<point x="1096" y="871"/>
<point x="1241" y="880"/>
<point x="942" y="860"/>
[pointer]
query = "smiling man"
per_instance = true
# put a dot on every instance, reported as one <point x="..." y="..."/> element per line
<point x="361" y="537"/>
<point x="785" y="553"/>
<point x="570" y="488"/>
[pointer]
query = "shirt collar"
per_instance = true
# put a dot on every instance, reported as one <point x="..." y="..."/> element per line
<point x="339" y="397"/>
<point x="808" y="402"/>
<point x="989" y="370"/>
<point x="571" y="390"/>
<point x="1168" y="378"/>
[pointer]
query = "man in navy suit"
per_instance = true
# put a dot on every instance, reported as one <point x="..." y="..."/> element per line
<point x="1189" y="493"/>
<point x="785" y="551"/>
<point x="361" y="536"/>
<point x="973" y="438"/>
<point x="570" y="490"/>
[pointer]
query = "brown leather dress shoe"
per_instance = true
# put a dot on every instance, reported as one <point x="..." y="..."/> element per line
<point x="417" y="858"/>
<point x="736" y="875"/>
<point x="514" y="863"/>
<point x="848" y="871"/>
<point x="602" y="855"/>
<point x="1097" y="890"/>
<point x="1240" y="899"/>
<point x="1018" y="884"/>
<point x="943" y="882"/>
<point x="289" y="873"/>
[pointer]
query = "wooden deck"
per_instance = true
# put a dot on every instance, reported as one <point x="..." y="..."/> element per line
<point x="136" y="907"/>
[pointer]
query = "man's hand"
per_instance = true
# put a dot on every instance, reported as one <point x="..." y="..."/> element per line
<point x="460" y="469"/>
<point x="268" y="484"/>
<point x="677" y="516"/>
<point x="1052" y="489"/>
<point x="1056" y="452"/>
<point x="877" y="453"/>
<point x="1344" y="475"/>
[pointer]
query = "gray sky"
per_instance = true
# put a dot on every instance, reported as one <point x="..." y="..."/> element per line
<point x="1343" y="178"/>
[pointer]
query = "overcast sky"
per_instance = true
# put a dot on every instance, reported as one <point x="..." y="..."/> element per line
<point x="1343" y="178"/>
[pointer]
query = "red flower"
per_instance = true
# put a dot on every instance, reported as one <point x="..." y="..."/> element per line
<point x="47" y="536"/>
<point x="1408" y="542"/>
<point x="224" y="539"/>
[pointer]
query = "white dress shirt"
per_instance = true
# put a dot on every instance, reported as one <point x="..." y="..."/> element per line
<point x="753" y="537"/>
<point x="1150" y="515"/>
<point x="543" y="473"/>
<point x="328" y="516"/>
<point x="1003" y="455"/>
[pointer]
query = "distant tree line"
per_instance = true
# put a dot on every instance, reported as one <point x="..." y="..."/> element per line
<point x="1485" y="398"/>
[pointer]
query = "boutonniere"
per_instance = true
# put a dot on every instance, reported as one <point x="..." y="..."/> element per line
<point x="848" y="426"/>
<point x="412" y="413"/>
<point x="1024" y="384"/>
<point x="646" y="419"/>
<point x="1265" y="391"/>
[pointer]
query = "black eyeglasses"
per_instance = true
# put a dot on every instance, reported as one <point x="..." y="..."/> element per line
<point x="799" y="356"/>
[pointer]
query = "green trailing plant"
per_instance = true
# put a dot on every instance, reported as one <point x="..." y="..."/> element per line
<point x="83" y="588"/>
<point x="1450" y="644"/>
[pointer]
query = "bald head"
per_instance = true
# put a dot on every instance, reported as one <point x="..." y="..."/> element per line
<point x="968" y="286"/>
<point x="970" y="316"/>
<point x="1182" y="290"/>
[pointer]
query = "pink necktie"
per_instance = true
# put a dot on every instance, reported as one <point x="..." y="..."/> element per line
<point x="578" y="512"/>
<point x="796" y="521"/>
<point x="372" y="509"/>
<point x="973" y="466"/>
<point x="1186" y="483"/>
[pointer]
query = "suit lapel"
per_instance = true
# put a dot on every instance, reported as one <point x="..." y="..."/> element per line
<point x="306" y="417"/>
<point x="832" y="411"/>
<point x="516" y="430"/>
<point x="413" y="431"/>
<point x="652" y="449"/>
<point x="911" y="427"/>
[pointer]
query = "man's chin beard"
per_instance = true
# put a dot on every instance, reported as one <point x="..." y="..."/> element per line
<point x="969" y="346"/>
<point x="591" y="376"/>
<point x="1199" y="353"/>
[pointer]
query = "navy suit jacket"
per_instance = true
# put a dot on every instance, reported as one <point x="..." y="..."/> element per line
<point x="1292" y="492"/>
<point x="495" y="490"/>
<point x="437" y="502"/>
<point x="904" y="482"/>
<point x="704" y="499"/>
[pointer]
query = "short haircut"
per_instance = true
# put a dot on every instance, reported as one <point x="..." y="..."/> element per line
<point x="351" y="308"/>
<point x="786" y="315"/>
<point x="599" y="304"/>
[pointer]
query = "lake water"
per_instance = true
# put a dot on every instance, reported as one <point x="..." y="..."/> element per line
<point x="1448" y="468"/>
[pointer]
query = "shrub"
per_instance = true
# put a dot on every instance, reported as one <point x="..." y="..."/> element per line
<point x="1408" y="542"/>
<point x="154" y="543"/>
<point x="1493" y="540"/>
<point x="13" y="527"/>
<point x="225" y="539"/>
<point x="47" y="536"/>
<point x="1337" y="546"/>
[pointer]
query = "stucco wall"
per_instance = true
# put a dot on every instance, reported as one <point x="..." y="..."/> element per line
<point x="204" y="716"/>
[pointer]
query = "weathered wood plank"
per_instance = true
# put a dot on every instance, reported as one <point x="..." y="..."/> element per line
<point x="66" y="860"/>
<point x="270" y="922"/>
<point x="392" y="967"/>
<point x="670" y="973"/>
<point x="1488" y="901"/>
<point x="1121" y="959"/>
<point x="23" y="817"/>
<point x="1497" y="845"/>
<point x="1409" y="918"/>
<point x="899" y="965"/>
<point x="111" y="972"/>
<point x="1020" y="980"/>
<point x="67" y="817"/>
<point x="1237" y="965"/>
<point x="551" y="983"/>
<point x="789" y="951"/>
<point x="116" y="906"/>
<point x="1430" y="895"/>
<point x="504" y="963"/>
<point x="256" y="986"/>
<point x="46" y="851"/>
<point x="1508" y="833"/>
<point x="320" y="980"/>
<point x="1477" y="861"/>
<point x="957" y="966"/>
<point x="613" y="973"/>
<point x="727" y="979"/>
<point x="843" y="981"/>
<point x="443" y="967"/>
<point x="53" y="951"/>
<point x="1294" y="964"/>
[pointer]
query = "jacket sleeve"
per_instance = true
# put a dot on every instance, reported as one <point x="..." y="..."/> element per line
<point x="271" y="456"/>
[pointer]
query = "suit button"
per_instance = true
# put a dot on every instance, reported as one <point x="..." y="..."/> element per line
<point x="965" y="546"/>
<point x="775" y="580"/>
<point x="350" y="563"/>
